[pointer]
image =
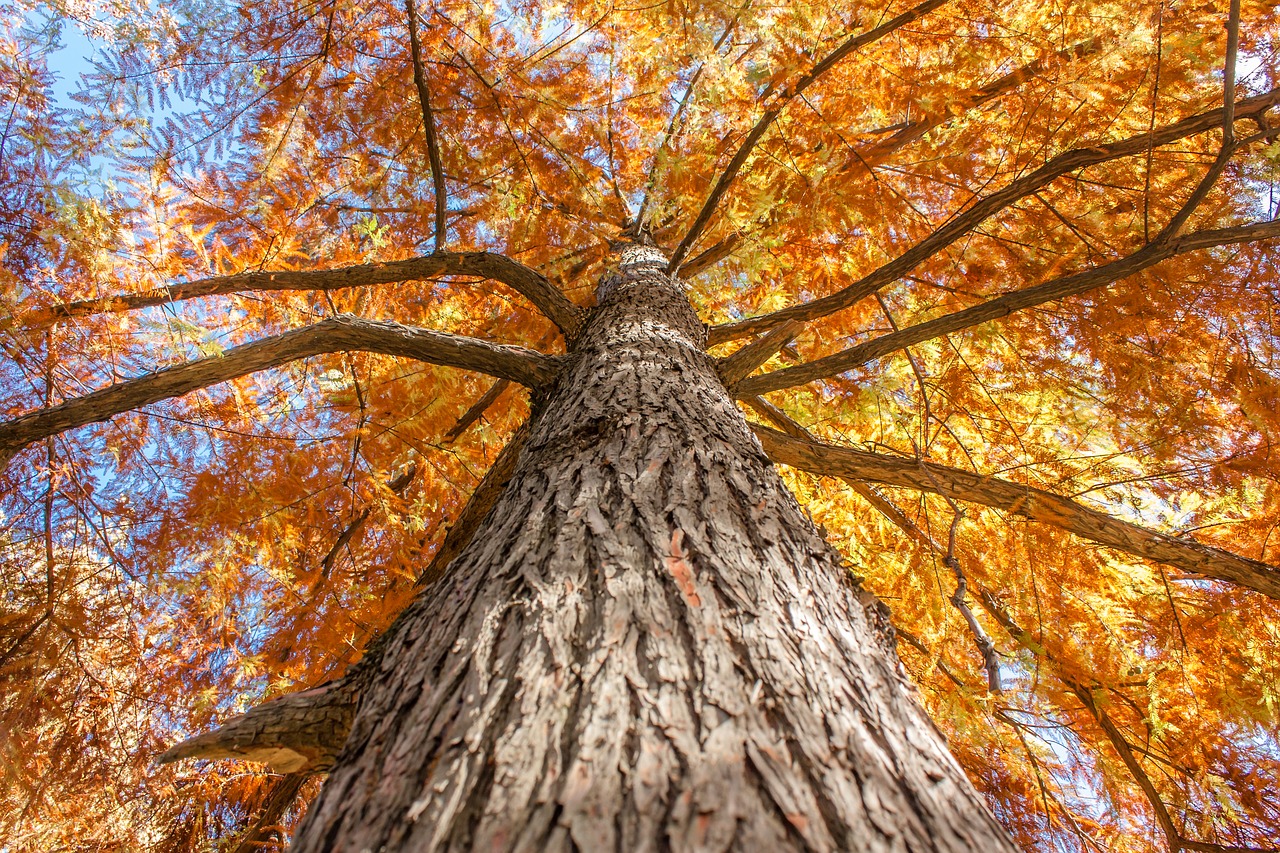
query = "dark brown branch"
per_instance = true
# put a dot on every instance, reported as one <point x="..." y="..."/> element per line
<point x="766" y="120"/>
<point x="473" y="414"/>
<point x="300" y="732"/>
<point x="397" y="487"/>
<point x="428" y="124"/>
<point x="965" y="222"/>
<point x="734" y="368"/>
<point x="1228" y="148"/>
<point x="711" y="256"/>
<point x="337" y="334"/>
<point x="26" y="635"/>
<point x="1036" y="504"/>
<point x="520" y="278"/>
<point x="1002" y="306"/>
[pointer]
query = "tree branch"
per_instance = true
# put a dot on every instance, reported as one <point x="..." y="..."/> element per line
<point x="265" y="826"/>
<point x="734" y="368"/>
<point x="1173" y="837"/>
<point x="520" y="278"/>
<point x="478" y="408"/>
<point x="336" y="334"/>
<point x="1036" y="504"/>
<point x="1228" y="148"/>
<point x="428" y="124"/>
<point x="876" y="153"/>
<point x="1002" y="306"/>
<point x="300" y="732"/>
<point x="766" y="120"/>
<point x="961" y="224"/>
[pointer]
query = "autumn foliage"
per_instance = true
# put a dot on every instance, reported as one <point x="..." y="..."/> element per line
<point x="190" y="557"/>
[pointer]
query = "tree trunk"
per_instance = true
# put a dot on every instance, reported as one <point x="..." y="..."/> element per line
<point x="647" y="645"/>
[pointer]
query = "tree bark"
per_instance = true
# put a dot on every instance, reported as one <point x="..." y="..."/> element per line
<point x="646" y="646"/>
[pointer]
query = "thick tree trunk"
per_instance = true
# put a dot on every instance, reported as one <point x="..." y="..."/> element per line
<point x="647" y="646"/>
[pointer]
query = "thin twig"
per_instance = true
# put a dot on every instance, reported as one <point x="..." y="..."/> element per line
<point x="766" y="120"/>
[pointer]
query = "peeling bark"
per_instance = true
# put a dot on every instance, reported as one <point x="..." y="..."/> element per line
<point x="646" y="646"/>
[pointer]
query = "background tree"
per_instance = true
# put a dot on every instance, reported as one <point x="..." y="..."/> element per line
<point x="1005" y="273"/>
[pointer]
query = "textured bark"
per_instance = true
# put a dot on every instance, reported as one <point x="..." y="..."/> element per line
<point x="646" y="646"/>
<point x="337" y="334"/>
<point x="301" y="732"/>
<point x="1035" y="504"/>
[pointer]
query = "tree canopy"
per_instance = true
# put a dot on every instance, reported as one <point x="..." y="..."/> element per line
<point x="997" y="280"/>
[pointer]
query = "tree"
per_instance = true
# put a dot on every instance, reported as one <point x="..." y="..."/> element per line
<point x="409" y="379"/>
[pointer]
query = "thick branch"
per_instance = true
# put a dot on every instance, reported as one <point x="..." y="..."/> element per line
<point x="301" y="732"/>
<point x="337" y="334"/>
<point x="1035" y="504"/>
<point x="734" y="368"/>
<point x="520" y="278"/>
<point x="965" y="222"/>
<point x="766" y="120"/>
<point x="1002" y="306"/>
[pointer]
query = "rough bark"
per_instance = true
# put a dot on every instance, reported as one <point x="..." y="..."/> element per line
<point x="301" y="732"/>
<point x="646" y="646"/>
